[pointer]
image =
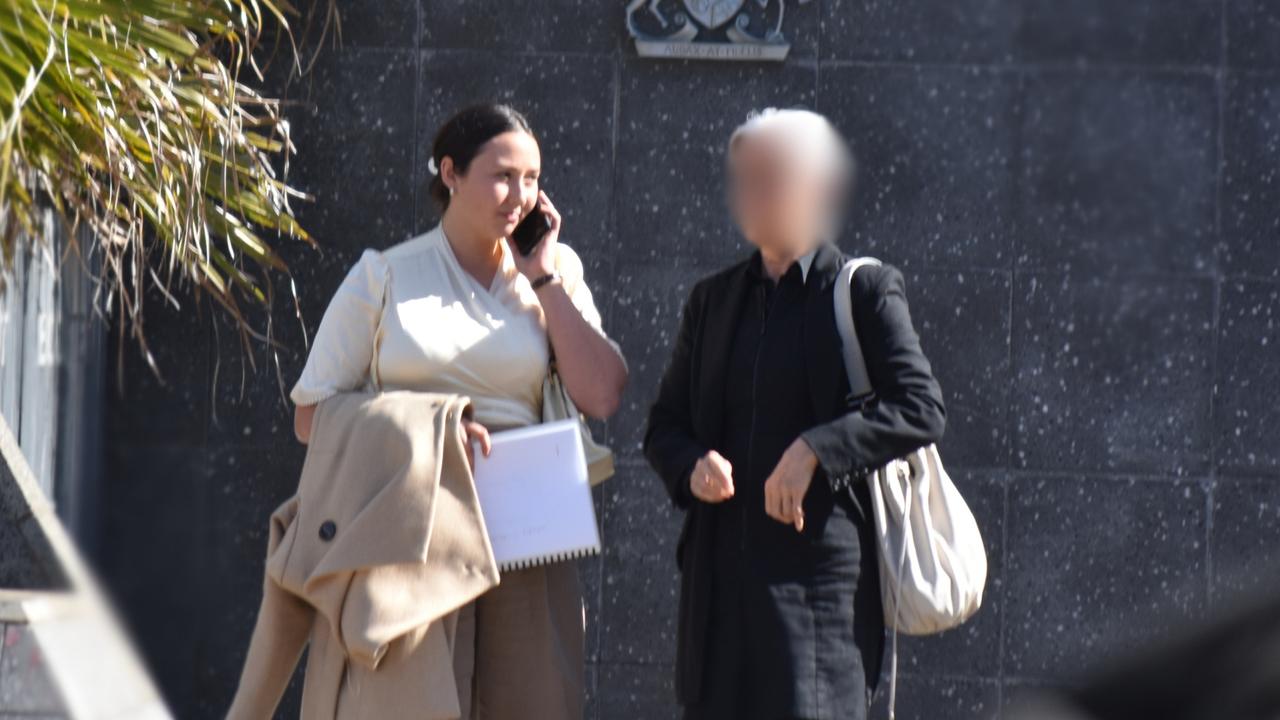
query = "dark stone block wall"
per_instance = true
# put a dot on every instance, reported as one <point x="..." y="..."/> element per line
<point x="1085" y="198"/>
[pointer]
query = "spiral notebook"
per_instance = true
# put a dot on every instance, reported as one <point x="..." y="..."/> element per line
<point x="535" y="496"/>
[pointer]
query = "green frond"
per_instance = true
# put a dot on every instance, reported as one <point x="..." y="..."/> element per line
<point x="131" y="116"/>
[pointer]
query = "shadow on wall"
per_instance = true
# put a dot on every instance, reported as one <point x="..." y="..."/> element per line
<point x="1225" y="669"/>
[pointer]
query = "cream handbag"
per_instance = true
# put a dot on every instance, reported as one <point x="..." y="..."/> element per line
<point x="933" y="566"/>
<point x="557" y="405"/>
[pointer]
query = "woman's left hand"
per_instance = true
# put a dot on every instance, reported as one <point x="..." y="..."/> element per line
<point x="542" y="261"/>
<point x="786" y="486"/>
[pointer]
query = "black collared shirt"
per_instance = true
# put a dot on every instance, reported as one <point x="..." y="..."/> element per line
<point x="767" y="406"/>
<point x="766" y="401"/>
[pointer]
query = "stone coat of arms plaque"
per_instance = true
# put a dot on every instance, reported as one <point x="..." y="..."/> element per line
<point x="709" y="29"/>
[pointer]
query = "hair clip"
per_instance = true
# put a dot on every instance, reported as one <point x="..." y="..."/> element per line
<point x="431" y="165"/>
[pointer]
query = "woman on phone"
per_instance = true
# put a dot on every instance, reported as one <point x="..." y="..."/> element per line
<point x="459" y="309"/>
<point x="755" y="438"/>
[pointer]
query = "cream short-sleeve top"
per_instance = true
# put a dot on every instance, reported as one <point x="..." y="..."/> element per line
<point x="411" y="318"/>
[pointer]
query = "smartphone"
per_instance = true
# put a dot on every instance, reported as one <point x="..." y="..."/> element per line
<point x="531" y="230"/>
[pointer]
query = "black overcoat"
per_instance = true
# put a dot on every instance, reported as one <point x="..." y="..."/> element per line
<point x="851" y="437"/>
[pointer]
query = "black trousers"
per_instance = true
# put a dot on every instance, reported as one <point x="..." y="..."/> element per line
<point x="786" y="648"/>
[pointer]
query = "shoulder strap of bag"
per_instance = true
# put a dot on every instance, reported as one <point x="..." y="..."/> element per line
<point x="854" y="365"/>
<point x="860" y="384"/>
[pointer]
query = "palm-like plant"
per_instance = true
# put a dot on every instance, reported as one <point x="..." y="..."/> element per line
<point x="130" y="116"/>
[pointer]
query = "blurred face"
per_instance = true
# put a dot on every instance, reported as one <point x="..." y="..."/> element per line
<point x="499" y="187"/>
<point x="778" y="203"/>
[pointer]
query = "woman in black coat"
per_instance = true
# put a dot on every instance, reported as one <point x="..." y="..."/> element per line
<point x="758" y="441"/>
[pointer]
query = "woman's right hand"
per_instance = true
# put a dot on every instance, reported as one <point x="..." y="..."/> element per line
<point x="712" y="478"/>
<point x="476" y="433"/>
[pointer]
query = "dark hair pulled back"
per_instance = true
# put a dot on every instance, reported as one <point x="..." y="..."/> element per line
<point x="462" y="136"/>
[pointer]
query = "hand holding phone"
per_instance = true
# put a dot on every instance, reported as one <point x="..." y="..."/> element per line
<point x="531" y="230"/>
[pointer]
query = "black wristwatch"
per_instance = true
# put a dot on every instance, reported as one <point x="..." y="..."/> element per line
<point x="548" y="278"/>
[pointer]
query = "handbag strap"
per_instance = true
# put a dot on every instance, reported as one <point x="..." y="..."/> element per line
<point x="897" y="604"/>
<point x="859" y="381"/>
<point x="860" y="386"/>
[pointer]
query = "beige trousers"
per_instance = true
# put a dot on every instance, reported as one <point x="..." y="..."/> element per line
<point x="520" y="647"/>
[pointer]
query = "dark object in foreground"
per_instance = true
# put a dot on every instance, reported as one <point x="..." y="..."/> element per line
<point x="1225" y="669"/>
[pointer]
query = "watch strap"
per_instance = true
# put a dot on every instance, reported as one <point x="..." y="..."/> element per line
<point x="543" y="280"/>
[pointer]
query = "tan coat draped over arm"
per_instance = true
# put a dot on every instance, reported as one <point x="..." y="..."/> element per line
<point x="369" y="562"/>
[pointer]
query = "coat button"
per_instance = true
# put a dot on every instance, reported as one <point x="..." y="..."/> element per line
<point x="327" y="530"/>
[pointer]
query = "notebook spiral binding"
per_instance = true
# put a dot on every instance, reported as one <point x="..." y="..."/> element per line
<point x="523" y="563"/>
